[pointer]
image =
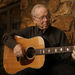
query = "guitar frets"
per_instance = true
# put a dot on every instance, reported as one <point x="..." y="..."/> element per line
<point x="61" y="49"/>
<point x="55" y="50"/>
<point x="67" y="49"/>
<point x="43" y="51"/>
<point x="49" y="50"/>
<point x="40" y="51"/>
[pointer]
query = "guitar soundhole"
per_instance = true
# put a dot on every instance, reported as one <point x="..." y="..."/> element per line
<point x="30" y="52"/>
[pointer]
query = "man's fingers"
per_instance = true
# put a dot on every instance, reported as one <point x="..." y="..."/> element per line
<point x="73" y="54"/>
<point x="18" y="51"/>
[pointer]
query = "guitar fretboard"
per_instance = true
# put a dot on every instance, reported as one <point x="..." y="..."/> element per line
<point x="55" y="50"/>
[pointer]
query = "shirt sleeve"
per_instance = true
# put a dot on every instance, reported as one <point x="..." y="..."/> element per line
<point x="63" y="39"/>
<point x="8" y="38"/>
<point x="67" y="57"/>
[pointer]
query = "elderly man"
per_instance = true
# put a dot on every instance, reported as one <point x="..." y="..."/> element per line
<point x="55" y="64"/>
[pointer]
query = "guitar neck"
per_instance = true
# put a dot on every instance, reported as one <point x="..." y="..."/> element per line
<point x="54" y="50"/>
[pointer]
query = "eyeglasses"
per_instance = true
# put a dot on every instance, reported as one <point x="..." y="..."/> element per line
<point x="43" y="17"/>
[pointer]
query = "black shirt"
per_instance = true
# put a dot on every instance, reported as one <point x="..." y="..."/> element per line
<point x="53" y="37"/>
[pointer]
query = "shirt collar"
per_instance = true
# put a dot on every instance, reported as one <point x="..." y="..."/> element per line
<point x="45" y="30"/>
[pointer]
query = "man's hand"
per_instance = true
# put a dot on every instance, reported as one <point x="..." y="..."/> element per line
<point x="73" y="54"/>
<point x="18" y="51"/>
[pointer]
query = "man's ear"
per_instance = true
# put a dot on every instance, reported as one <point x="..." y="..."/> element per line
<point x="34" y="20"/>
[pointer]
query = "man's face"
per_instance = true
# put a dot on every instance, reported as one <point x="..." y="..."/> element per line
<point x="41" y="18"/>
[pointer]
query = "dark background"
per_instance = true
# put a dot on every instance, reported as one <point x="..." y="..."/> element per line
<point x="15" y="14"/>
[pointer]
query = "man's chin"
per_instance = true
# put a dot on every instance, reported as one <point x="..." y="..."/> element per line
<point x="44" y="28"/>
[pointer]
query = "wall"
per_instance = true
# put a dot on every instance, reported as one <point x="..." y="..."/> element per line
<point x="9" y="20"/>
<point x="62" y="11"/>
<point x="63" y="17"/>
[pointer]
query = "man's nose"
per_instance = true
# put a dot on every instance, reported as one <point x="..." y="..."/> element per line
<point x="45" y="19"/>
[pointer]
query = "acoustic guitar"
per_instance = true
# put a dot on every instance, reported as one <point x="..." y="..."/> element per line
<point x="34" y="54"/>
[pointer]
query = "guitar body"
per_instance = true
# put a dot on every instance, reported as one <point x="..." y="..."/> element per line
<point x="10" y="62"/>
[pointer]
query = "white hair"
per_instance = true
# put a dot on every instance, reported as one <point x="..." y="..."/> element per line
<point x="37" y="6"/>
